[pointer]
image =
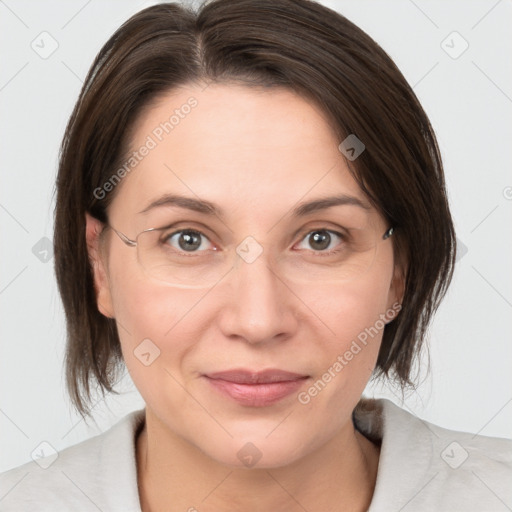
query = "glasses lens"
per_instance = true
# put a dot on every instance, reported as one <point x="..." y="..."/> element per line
<point x="178" y="258"/>
<point x="331" y="256"/>
<point x="322" y="256"/>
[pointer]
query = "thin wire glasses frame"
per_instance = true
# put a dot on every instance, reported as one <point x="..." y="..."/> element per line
<point x="134" y="243"/>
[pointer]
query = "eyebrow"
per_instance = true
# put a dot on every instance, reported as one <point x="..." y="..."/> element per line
<point x="208" y="208"/>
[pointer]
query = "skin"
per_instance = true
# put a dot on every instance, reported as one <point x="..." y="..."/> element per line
<point x="256" y="154"/>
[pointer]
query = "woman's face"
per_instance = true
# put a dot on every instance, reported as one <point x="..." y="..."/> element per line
<point x="257" y="155"/>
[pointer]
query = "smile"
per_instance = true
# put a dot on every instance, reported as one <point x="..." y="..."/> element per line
<point x="256" y="389"/>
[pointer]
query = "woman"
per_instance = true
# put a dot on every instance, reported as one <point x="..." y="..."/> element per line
<point x="245" y="199"/>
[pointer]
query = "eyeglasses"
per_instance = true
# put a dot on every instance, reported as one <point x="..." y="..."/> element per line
<point x="186" y="266"/>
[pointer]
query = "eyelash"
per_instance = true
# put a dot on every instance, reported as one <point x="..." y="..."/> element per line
<point x="341" y="236"/>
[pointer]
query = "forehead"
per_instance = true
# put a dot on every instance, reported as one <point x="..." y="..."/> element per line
<point x="251" y="149"/>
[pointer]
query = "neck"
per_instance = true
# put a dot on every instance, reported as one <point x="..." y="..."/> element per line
<point x="175" y="475"/>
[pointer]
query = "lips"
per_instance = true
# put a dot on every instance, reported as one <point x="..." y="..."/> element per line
<point x="256" y="388"/>
<point x="241" y="376"/>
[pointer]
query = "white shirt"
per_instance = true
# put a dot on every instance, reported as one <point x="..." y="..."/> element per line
<point x="422" y="468"/>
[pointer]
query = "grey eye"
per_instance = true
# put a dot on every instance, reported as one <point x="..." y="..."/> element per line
<point x="188" y="240"/>
<point x="320" y="239"/>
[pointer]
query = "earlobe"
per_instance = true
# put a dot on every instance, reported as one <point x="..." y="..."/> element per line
<point x="93" y="229"/>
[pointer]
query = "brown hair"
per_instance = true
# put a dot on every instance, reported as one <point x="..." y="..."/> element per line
<point x="297" y="44"/>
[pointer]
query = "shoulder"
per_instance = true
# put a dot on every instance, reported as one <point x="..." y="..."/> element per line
<point x="426" y="467"/>
<point x="81" y="477"/>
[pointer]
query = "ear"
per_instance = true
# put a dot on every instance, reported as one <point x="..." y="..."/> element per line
<point x="93" y="229"/>
<point x="396" y="290"/>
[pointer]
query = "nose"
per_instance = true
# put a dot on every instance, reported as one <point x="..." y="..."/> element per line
<point x="259" y="307"/>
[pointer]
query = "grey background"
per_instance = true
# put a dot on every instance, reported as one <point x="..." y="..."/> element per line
<point x="468" y="97"/>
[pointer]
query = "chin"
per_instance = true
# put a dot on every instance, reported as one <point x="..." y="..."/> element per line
<point x="259" y="450"/>
<point x="250" y="455"/>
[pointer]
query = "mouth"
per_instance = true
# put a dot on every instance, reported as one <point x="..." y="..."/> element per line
<point x="256" y="388"/>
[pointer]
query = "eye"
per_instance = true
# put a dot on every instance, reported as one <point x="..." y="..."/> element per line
<point x="188" y="240"/>
<point x="321" y="239"/>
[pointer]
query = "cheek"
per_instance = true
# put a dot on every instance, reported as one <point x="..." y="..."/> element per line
<point x="345" y="358"/>
<point x="356" y="315"/>
<point x="351" y="310"/>
<point x="156" y="326"/>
